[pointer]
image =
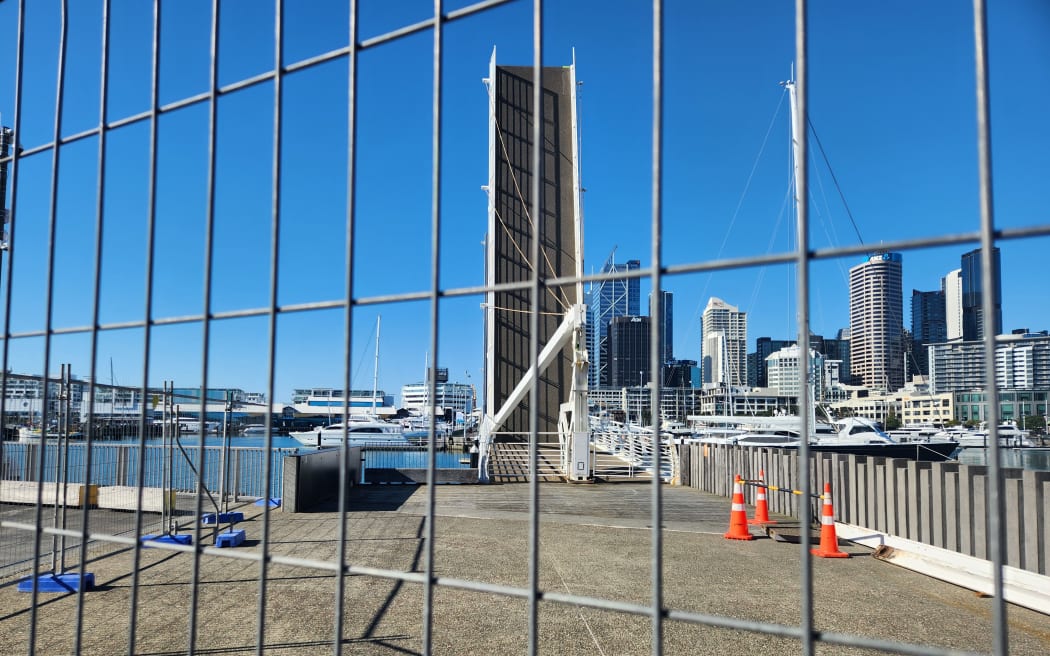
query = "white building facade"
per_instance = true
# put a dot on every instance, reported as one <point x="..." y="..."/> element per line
<point x="724" y="344"/>
<point x="876" y="322"/>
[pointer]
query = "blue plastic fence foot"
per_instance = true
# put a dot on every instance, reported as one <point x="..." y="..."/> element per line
<point x="224" y="518"/>
<point x="274" y="503"/>
<point x="150" y="540"/>
<point x="230" y="538"/>
<point x="68" y="582"/>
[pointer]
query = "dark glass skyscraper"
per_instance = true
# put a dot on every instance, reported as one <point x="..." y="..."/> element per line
<point x="627" y="352"/>
<point x="929" y="325"/>
<point x="609" y="299"/>
<point x="666" y="326"/>
<point x="973" y="298"/>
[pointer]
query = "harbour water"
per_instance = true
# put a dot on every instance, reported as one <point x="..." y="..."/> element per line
<point x="1037" y="459"/>
<point x="116" y="462"/>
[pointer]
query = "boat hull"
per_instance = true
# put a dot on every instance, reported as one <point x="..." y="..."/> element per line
<point x="920" y="451"/>
<point x="310" y="438"/>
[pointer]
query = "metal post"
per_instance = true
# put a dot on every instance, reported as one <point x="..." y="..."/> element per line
<point x="63" y="436"/>
<point x="224" y="456"/>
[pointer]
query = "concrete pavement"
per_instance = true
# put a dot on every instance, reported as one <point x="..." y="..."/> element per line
<point x="594" y="541"/>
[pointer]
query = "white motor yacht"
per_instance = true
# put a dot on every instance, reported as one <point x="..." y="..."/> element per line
<point x="359" y="430"/>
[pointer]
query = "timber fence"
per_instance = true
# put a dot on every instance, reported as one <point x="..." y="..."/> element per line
<point x="943" y="504"/>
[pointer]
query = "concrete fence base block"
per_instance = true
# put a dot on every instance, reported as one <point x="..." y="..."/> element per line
<point x="125" y="497"/>
<point x="68" y="582"/>
<point x="230" y="538"/>
<point x="1020" y="587"/>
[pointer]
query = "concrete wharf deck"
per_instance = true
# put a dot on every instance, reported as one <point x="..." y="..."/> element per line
<point x="595" y="540"/>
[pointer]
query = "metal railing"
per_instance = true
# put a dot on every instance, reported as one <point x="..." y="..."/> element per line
<point x="634" y="445"/>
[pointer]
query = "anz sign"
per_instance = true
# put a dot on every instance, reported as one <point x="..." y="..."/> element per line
<point x="884" y="257"/>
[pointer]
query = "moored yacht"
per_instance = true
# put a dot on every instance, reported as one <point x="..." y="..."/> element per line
<point x="1010" y="436"/>
<point x="851" y="435"/>
<point x="359" y="430"/>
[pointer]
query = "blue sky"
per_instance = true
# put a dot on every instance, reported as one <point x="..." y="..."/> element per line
<point x="891" y="99"/>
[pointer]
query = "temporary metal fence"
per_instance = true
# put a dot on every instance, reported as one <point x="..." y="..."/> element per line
<point x="112" y="486"/>
<point x="429" y="291"/>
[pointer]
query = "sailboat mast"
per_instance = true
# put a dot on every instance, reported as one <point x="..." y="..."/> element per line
<point x="375" y="372"/>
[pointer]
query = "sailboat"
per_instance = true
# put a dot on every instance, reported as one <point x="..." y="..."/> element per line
<point x="852" y="435"/>
<point x="357" y="428"/>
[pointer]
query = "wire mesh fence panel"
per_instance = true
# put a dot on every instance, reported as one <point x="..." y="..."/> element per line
<point x="266" y="180"/>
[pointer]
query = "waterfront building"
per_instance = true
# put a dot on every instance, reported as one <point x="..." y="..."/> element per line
<point x="876" y="322"/>
<point x="24" y="398"/>
<point x="951" y="284"/>
<point x="511" y="228"/>
<point x="723" y="344"/>
<point x="1014" y="405"/>
<point x="609" y="299"/>
<point x="454" y="396"/>
<point x="928" y="326"/>
<point x="627" y="352"/>
<point x="746" y="401"/>
<point x="329" y="402"/>
<point x="913" y="405"/>
<point x="974" y="323"/>
<point x="1022" y="361"/>
<point x="676" y="403"/>
<point x="666" y="326"/>
<point x="116" y="404"/>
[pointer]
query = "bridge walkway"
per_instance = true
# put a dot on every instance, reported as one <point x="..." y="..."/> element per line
<point x="510" y="464"/>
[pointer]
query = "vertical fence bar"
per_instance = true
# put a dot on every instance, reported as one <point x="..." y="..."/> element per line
<point x="435" y="295"/>
<point x="989" y="298"/>
<point x="348" y="324"/>
<point x="275" y="231"/>
<point x="96" y="295"/>
<point x="802" y="265"/>
<point x="48" y="319"/>
<point x="535" y="288"/>
<point x="209" y="246"/>
<point x="147" y="315"/>
<point x="655" y="326"/>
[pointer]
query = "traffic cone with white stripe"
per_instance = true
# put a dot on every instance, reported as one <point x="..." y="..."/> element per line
<point x="738" y="516"/>
<point x="829" y="542"/>
<point x="761" y="505"/>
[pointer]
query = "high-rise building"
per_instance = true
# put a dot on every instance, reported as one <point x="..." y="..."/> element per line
<point x="609" y="299"/>
<point x="928" y="326"/>
<point x="973" y="320"/>
<point x="681" y="373"/>
<point x="627" y="352"/>
<point x="756" y="361"/>
<point x="666" y="328"/>
<point x="783" y="368"/>
<point x="724" y="344"/>
<point x="512" y="227"/>
<point x="876" y="321"/>
<point x="951" y="285"/>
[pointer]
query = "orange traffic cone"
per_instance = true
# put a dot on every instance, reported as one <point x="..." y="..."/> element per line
<point x="761" y="506"/>
<point x="738" y="516"/>
<point x="829" y="542"/>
